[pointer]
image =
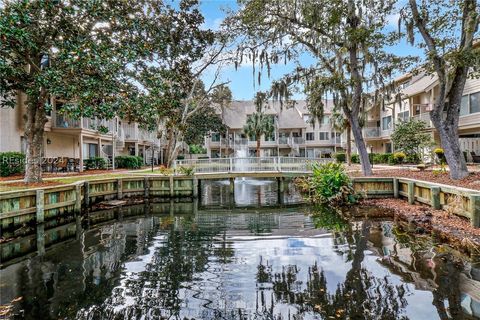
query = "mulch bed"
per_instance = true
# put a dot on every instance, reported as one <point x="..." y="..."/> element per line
<point x="453" y="229"/>
<point x="470" y="182"/>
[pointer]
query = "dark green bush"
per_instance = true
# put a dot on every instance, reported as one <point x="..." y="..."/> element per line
<point x="186" y="170"/>
<point x="181" y="157"/>
<point x="128" y="162"/>
<point x="412" y="158"/>
<point x="355" y="158"/>
<point x="382" y="158"/>
<point x="95" y="163"/>
<point x="140" y="161"/>
<point x="11" y="163"/>
<point x="340" y="157"/>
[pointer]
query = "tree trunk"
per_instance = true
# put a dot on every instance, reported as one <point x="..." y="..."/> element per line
<point x="362" y="149"/>
<point x="169" y="149"/>
<point x="34" y="131"/>
<point x="348" y="152"/>
<point x="451" y="146"/>
<point x="258" y="147"/>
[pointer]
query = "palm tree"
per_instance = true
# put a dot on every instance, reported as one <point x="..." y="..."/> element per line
<point x="259" y="123"/>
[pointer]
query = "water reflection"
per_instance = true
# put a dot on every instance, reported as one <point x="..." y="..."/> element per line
<point x="248" y="192"/>
<point x="250" y="264"/>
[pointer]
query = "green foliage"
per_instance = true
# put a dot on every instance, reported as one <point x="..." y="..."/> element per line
<point x="95" y="163"/>
<point x="412" y="138"/>
<point x="355" y="158"/>
<point x="128" y="162"/>
<point x="11" y="163"/>
<point x="180" y="157"/>
<point x="399" y="157"/>
<point x="202" y="122"/>
<point x="329" y="184"/>
<point x="340" y="157"/>
<point x="329" y="218"/>
<point x="259" y="123"/>
<point x="186" y="170"/>
<point x="197" y="149"/>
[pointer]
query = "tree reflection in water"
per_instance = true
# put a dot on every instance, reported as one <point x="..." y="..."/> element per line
<point x="360" y="296"/>
<point x="248" y="265"/>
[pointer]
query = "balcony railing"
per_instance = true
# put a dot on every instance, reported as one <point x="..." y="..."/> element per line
<point x="425" y="117"/>
<point x="66" y="122"/>
<point x="283" y="140"/>
<point x="371" y="132"/>
<point x="130" y="131"/>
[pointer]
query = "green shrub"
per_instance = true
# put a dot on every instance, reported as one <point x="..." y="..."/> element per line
<point x="11" y="163"/>
<point x="197" y="149"/>
<point x="412" y="158"/>
<point x="382" y="158"/>
<point x="355" y="158"/>
<point x="399" y="157"/>
<point x="95" y="163"/>
<point x="340" y="157"/>
<point x="128" y="162"/>
<point x="186" y="170"/>
<point x="139" y="161"/>
<point x="329" y="184"/>
<point x="181" y="157"/>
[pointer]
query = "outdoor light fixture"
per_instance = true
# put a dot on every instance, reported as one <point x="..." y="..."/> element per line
<point x="49" y="141"/>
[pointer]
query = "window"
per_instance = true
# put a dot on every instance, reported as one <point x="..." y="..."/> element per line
<point x="253" y="137"/>
<point x="387" y="123"/>
<point x="470" y="104"/>
<point x="325" y="120"/>
<point x="324" y="136"/>
<point x="475" y="102"/>
<point x="310" y="136"/>
<point x="215" y="137"/>
<point x="403" y="116"/>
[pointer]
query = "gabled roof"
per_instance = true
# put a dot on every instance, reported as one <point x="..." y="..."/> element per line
<point x="423" y="84"/>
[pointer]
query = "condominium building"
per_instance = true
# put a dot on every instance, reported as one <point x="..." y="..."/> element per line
<point x="417" y="97"/>
<point x="81" y="138"/>
<point x="294" y="133"/>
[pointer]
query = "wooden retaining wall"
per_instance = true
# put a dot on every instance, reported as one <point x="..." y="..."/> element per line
<point x="20" y="208"/>
<point x="461" y="201"/>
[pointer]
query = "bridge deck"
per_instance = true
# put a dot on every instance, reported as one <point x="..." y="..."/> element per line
<point x="251" y="174"/>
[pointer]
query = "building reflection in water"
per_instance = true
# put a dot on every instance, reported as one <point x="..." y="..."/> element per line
<point x="245" y="264"/>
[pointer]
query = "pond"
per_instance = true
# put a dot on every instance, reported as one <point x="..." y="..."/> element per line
<point x="177" y="261"/>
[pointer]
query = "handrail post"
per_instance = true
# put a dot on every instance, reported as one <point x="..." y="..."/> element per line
<point x="230" y="162"/>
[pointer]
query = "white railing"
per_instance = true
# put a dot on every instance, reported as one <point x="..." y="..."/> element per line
<point x="371" y="132"/>
<point x="251" y="164"/>
<point x="425" y="117"/>
<point x="131" y="131"/>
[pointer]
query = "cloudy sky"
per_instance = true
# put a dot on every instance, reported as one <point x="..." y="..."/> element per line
<point x="242" y="79"/>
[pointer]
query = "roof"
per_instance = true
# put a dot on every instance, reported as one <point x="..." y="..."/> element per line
<point x="423" y="84"/>
<point x="235" y="115"/>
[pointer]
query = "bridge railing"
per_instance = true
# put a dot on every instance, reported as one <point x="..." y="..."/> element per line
<point x="251" y="164"/>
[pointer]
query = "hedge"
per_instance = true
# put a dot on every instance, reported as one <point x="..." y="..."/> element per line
<point x="95" y="163"/>
<point x="11" y="163"/>
<point x="128" y="162"/>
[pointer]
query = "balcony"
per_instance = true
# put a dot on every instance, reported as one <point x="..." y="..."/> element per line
<point x="371" y="132"/>
<point x="64" y="122"/>
<point x="425" y="117"/>
<point x="283" y="140"/>
<point x="130" y="131"/>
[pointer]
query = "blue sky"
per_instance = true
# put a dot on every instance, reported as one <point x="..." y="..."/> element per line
<point x="242" y="79"/>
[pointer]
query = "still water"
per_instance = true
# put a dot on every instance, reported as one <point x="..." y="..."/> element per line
<point x="178" y="261"/>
